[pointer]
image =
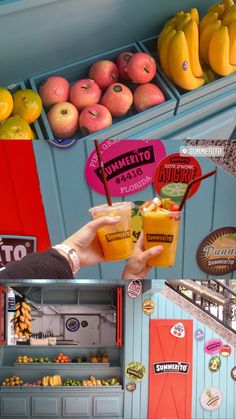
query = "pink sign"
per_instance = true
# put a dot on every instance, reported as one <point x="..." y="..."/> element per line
<point x="129" y="165"/>
<point x="213" y="346"/>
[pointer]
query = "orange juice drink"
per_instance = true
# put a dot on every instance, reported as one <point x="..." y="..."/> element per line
<point x="161" y="227"/>
<point x="116" y="240"/>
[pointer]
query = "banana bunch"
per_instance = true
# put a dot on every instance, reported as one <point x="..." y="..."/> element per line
<point x="218" y="37"/>
<point x="178" y="50"/>
<point x="52" y="381"/>
<point x="22" y="320"/>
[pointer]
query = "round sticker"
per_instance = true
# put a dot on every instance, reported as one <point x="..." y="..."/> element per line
<point x="72" y="324"/>
<point x="62" y="143"/>
<point x="211" y="398"/>
<point x="178" y="330"/>
<point x="213" y="346"/>
<point x="135" y="371"/>
<point x="173" y="174"/>
<point x="137" y="225"/>
<point x="134" y="288"/>
<point x="148" y="307"/>
<point x="130" y="386"/>
<point x="216" y="254"/>
<point x="84" y="323"/>
<point x="129" y="165"/>
<point x="199" y="334"/>
<point x="225" y="350"/>
<point x="214" y="363"/>
<point x="233" y="373"/>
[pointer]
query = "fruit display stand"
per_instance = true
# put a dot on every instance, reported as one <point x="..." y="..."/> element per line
<point x="222" y="90"/>
<point x="79" y="70"/>
<point x="36" y="125"/>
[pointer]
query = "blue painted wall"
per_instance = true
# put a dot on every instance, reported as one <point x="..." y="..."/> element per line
<point x="137" y="349"/>
<point x="67" y="198"/>
<point x="36" y="35"/>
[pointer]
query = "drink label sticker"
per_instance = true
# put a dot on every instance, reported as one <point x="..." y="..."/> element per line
<point x="199" y="334"/>
<point x="62" y="143"/>
<point x="14" y="248"/>
<point x="134" y="288"/>
<point x="130" y="386"/>
<point x="173" y="174"/>
<point x="215" y="363"/>
<point x="148" y="306"/>
<point x="211" y="398"/>
<point x="225" y="350"/>
<point x="213" y="346"/>
<point x="136" y="221"/>
<point x="216" y="254"/>
<point x="129" y="165"/>
<point x="233" y="373"/>
<point x="178" y="330"/>
<point x="135" y="371"/>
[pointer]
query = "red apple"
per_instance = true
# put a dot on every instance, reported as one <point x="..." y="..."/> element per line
<point x="146" y="96"/>
<point x="54" y="90"/>
<point x="84" y="93"/>
<point x="118" y="98"/>
<point x="141" y="68"/>
<point x="63" y="119"/>
<point x="121" y="62"/>
<point x="104" y="73"/>
<point x="93" y="118"/>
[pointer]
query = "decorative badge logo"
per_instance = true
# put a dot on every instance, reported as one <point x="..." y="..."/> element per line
<point x="225" y="350"/>
<point x="72" y="324"/>
<point x="135" y="371"/>
<point x="130" y="386"/>
<point x="148" y="306"/>
<point x="199" y="334"/>
<point x="62" y="143"/>
<point x="216" y="254"/>
<point x="233" y="373"/>
<point x="134" y="288"/>
<point x="171" y="367"/>
<point x="178" y="330"/>
<point x="213" y="346"/>
<point x="211" y="398"/>
<point x="215" y="363"/>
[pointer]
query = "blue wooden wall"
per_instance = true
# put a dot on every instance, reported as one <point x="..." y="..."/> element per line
<point x="67" y="198"/>
<point x="37" y="35"/>
<point x="137" y="349"/>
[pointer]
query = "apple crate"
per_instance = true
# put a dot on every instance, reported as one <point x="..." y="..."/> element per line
<point x="18" y="86"/>
<point x="79" y="70"/>
<point x="223" y="88"/>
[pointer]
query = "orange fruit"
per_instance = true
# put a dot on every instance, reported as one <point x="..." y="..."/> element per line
<point x="27" y="104"/>
<point x="6" y="104"/>
<point x="15" y="128"/>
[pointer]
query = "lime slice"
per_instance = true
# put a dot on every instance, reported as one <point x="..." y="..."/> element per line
<point x="175" y="191"/>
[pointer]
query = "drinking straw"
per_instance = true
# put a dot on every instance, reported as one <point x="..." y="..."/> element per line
<point x="103" y="174"/>
<point x="190" y="184"/>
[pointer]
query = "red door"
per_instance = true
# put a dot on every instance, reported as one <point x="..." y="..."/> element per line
<point x="170" y="369"/>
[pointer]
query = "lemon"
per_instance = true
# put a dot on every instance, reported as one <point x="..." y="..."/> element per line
<point x="175" y="191"/>
<point x="6" y="104"/>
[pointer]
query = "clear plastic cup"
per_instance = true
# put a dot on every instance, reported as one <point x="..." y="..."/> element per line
<point x="161" y="228"/>
<point x="115" y="240"/>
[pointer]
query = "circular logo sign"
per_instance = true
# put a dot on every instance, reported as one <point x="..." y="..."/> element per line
<point x="199" y="334"/>
<point x="225" y="350"/>
<point x="130" y="386"/>
<point x="135" y="371"/>
<point x="233" y="373"/>
<point x="211" y="398"/>
<point x="214" y="363"/>
<point x="148" y="306"/>
<point x="173" y="174"/>
<point x="216" y="254"/>
<point x="62" y="144"/>
<point x="72" y="324"/>
<point x="134" y="288"/>
<point x="213" y="346"/>
<point x="129" y="165"/>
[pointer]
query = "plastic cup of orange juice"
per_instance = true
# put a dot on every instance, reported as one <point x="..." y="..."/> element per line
<point x="161" y="228"/>
<point x="115" y="240"/>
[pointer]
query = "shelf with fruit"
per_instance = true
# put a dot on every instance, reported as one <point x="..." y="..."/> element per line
<point x="20" y="109"/>
<point x="108" y="93"/>
<point x="197" y="57"/>
<point x="98" y="360"/>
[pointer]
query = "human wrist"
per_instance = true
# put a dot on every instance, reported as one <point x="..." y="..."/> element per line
<point x="69" y="252"/>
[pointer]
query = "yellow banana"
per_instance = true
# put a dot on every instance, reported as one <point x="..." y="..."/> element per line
<point x="17" y="329"/>
<point x="192" y="38"/>
<point x="179" y="63"/>
<point x="232" y="42"/>
<point x="170" y="22"/>
<point x="206" y="37"/>
<point x="218" y="8"/>
<point x="227" y="5"/>
<point x="164" y="50"/>
<point x="20" y="335"/>
<point x="182" y="22"/>
<point x="194" y="15"/>
<point x="22" y="318"/>
<point x="178" y="17"/>
<point x="219" y="52"/>
<point x="206" y="20"/>
<point x="162" y="35"/>
<point x="230" y="16"/>
<point x="17" y="313"/>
